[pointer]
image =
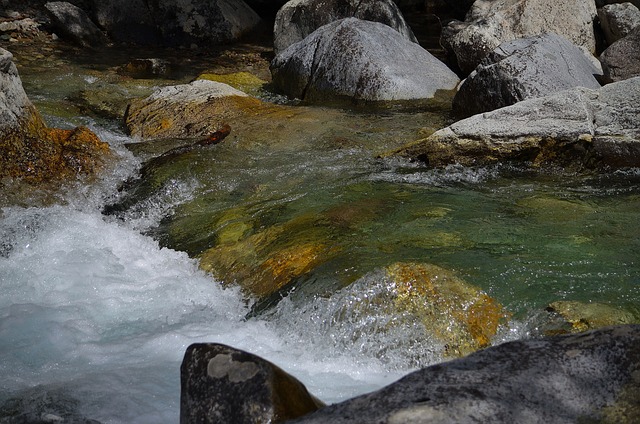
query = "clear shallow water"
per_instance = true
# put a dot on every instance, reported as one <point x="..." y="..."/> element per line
<point x="98" y="310"/>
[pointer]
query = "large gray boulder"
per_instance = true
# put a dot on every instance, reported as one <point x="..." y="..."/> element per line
<point x="299" y="18"/>
<point x="352" y="59"/>
<point x="522" y="69"/>
<point x="621" y="60"/>
<point x="73" y="23"/>
<point x="490" y="23"/>
<point x="588" y="377"/>
<point x="579" y="127"/>
<point x="618" y="20"/>
<point x="220" y="384"/>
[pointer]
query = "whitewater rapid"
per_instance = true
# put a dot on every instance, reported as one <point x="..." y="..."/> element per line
<point x="99" y="314"/>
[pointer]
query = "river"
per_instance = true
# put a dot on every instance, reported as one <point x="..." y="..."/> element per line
<point x="97" y="310"/>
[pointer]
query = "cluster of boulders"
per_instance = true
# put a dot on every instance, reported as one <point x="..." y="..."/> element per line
<point x="533" y="89"/>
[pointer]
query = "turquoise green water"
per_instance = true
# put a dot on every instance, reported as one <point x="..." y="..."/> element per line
<point x="527" y="238"/>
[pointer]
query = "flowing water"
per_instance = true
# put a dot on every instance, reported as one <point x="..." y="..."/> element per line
<point x="97" y="309"/>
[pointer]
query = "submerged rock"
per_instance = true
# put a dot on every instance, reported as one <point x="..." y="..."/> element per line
<point x="588" y="377"/>
<point x="457" y="313"/>
<point x="352" y="59"/>
<point x="267" y="261"/>
<point x="588" y="316"/>
<point x="221" y="384"/>
<point x="579" y="127"/>
<point x="490" y="23"/>
<point x="298" y="19"/>
<point x="522" y="69"/>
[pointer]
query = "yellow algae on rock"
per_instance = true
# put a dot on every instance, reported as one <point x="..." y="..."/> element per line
<point x="588" y="316"/>
<point x="243" y="81"/>
<point x="457" y="313"/>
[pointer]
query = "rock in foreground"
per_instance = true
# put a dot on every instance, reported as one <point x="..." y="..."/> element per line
<point x="588" y="377"/>
<point x="580" y="128"/>
<point x="221" y="384"/>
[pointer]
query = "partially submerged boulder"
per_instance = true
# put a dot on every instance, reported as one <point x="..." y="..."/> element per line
<point x="578" y="127"/>
<point x="456" y="313"/>
<point x="187" y="110"/>
<point x="221" y="384"/>
<point x="356" y="60"/>
<point x="587" y="377"/>
<point x="621" y="60"/>
<point x="490" y="23"/>
<point x="299" y="18"/>
<point x="522" y="69"/>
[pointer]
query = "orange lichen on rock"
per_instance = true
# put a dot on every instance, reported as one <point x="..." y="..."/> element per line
<point x="454" y="311"/>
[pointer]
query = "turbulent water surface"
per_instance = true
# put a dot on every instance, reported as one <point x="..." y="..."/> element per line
<point x="96" y="310"/>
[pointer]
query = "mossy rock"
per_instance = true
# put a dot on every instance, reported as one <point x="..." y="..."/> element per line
<point x="460" y="315"/>
<point x="268" y="261"/>
<point x="583" y="316"/>
<point x="243" y="81"/>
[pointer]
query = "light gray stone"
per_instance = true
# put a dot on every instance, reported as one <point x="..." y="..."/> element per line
<point x="352" y="59"/>
<point x="299" y="18"/>
<point x="618" y="20"/>
<point x="525" y="68"/>
<point x="579" y="127"/>
<point x="588" y="377"/>
<point x="490" y="23"/>
<point x="16" y="109"/>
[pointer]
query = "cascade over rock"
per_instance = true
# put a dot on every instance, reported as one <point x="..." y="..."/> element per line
<point x="299" y="18"/>
<point x="352" y="59"/>
<point x="522" y="69"/>
<point x="490" y="23"/>
<point x="579" y="127"/>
